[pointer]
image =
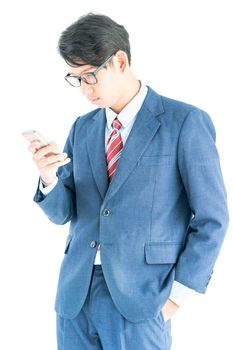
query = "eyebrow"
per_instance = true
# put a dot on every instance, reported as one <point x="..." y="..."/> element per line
<point x="85" y="71"/>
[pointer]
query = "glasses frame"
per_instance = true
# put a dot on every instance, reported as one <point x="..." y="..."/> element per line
<point x="80" y="78"/>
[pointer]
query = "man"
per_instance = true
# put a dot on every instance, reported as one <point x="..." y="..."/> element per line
<point x="143" y="191"/>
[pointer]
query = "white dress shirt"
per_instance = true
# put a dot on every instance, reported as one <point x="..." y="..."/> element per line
<point x="179" y="293"/>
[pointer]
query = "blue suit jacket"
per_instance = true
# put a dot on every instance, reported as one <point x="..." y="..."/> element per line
<point x="166" y="207"/>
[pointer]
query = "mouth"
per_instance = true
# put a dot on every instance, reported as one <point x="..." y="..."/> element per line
<point x="94" y="100"/>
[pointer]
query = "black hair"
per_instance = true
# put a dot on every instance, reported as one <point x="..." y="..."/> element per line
<point x="92" y="39"/>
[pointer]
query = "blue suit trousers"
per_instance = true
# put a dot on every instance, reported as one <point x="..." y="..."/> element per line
<point x="100" y="326"/>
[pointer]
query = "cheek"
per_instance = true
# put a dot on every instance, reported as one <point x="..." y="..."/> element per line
<point x="111" y="98"/>
<point x="108" y="91"/>
<point x="114" y="86"/>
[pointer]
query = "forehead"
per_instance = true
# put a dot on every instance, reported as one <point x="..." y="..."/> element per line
<point x="80" y="70"/>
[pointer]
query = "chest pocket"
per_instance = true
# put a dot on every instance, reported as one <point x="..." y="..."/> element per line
<point x="155" y="160"/>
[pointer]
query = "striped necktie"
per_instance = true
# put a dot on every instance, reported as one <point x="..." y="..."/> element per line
<point x="114" y="148"/>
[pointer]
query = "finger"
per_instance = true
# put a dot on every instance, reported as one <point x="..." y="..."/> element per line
<point x="56" y="165"/>
<point x="54" y="146"/>
<point x="43" y="151"/>
<point x="33" y="146"/>
<point x="46" y="160"/>
<point x="66" y="161"/>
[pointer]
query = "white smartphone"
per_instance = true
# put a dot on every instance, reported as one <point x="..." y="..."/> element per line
<point x="33" y="135"/>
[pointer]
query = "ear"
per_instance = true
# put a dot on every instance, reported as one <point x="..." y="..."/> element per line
<point x="121" y="60"/>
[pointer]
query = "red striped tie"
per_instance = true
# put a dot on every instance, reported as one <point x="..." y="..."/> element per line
<point x="114" y="148"/>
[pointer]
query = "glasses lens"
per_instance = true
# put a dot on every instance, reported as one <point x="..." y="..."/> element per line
<point x="74" y="81"/>
<point x="89" y="78"/>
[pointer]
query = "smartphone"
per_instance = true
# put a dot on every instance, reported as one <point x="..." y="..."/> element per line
<point x="33" y="135"/>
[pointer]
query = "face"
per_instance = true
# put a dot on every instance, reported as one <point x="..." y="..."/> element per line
<point x="107" y="91"/>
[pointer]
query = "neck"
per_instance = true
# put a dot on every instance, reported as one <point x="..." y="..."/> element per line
<point x="129" y="90"/>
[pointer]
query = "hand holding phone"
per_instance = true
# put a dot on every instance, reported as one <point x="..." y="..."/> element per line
<point x="36" y="140"/>
<point x="45" y="155"/>
<point x="33" y="135"/>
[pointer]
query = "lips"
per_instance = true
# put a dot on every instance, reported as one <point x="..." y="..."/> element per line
<point x="94" y="99"/>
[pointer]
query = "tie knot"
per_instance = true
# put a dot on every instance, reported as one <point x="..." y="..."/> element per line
<point x="116" y="124"/>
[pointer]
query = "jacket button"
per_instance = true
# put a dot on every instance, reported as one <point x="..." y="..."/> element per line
<point x="106" y="212"/>
<point x="93" y="244"/>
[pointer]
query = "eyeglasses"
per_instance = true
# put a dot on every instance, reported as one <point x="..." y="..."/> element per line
<point x="88" y="77"/>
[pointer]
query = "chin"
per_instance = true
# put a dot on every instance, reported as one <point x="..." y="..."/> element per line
<point x="101" y="104"/>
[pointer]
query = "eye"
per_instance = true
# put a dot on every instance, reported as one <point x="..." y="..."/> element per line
<point x="89" y="78"/>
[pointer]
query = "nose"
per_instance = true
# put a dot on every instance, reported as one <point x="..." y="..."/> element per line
<point x="87" y="90"/>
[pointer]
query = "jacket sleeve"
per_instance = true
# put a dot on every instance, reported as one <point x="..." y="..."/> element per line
<point x="59" y="205"/>
<point x="200" y="171"/>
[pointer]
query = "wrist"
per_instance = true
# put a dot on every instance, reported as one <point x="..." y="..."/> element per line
<point x="46" y="183"/>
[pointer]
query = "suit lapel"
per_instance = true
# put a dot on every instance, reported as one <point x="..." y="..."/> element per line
<point x="96" y="151"/>
<point x="144" y="129"/>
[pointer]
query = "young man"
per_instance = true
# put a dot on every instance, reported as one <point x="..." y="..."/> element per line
<point x="143" y="191"/>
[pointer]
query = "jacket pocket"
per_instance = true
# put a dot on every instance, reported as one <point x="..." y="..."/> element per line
<point x="68" y="241"/>
<point x="162" y="252"/>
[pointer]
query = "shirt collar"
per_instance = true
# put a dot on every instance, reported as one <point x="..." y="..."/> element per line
<point x="129" y="111"/>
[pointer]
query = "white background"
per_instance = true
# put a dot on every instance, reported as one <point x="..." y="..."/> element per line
<point x="182" y="49"/>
